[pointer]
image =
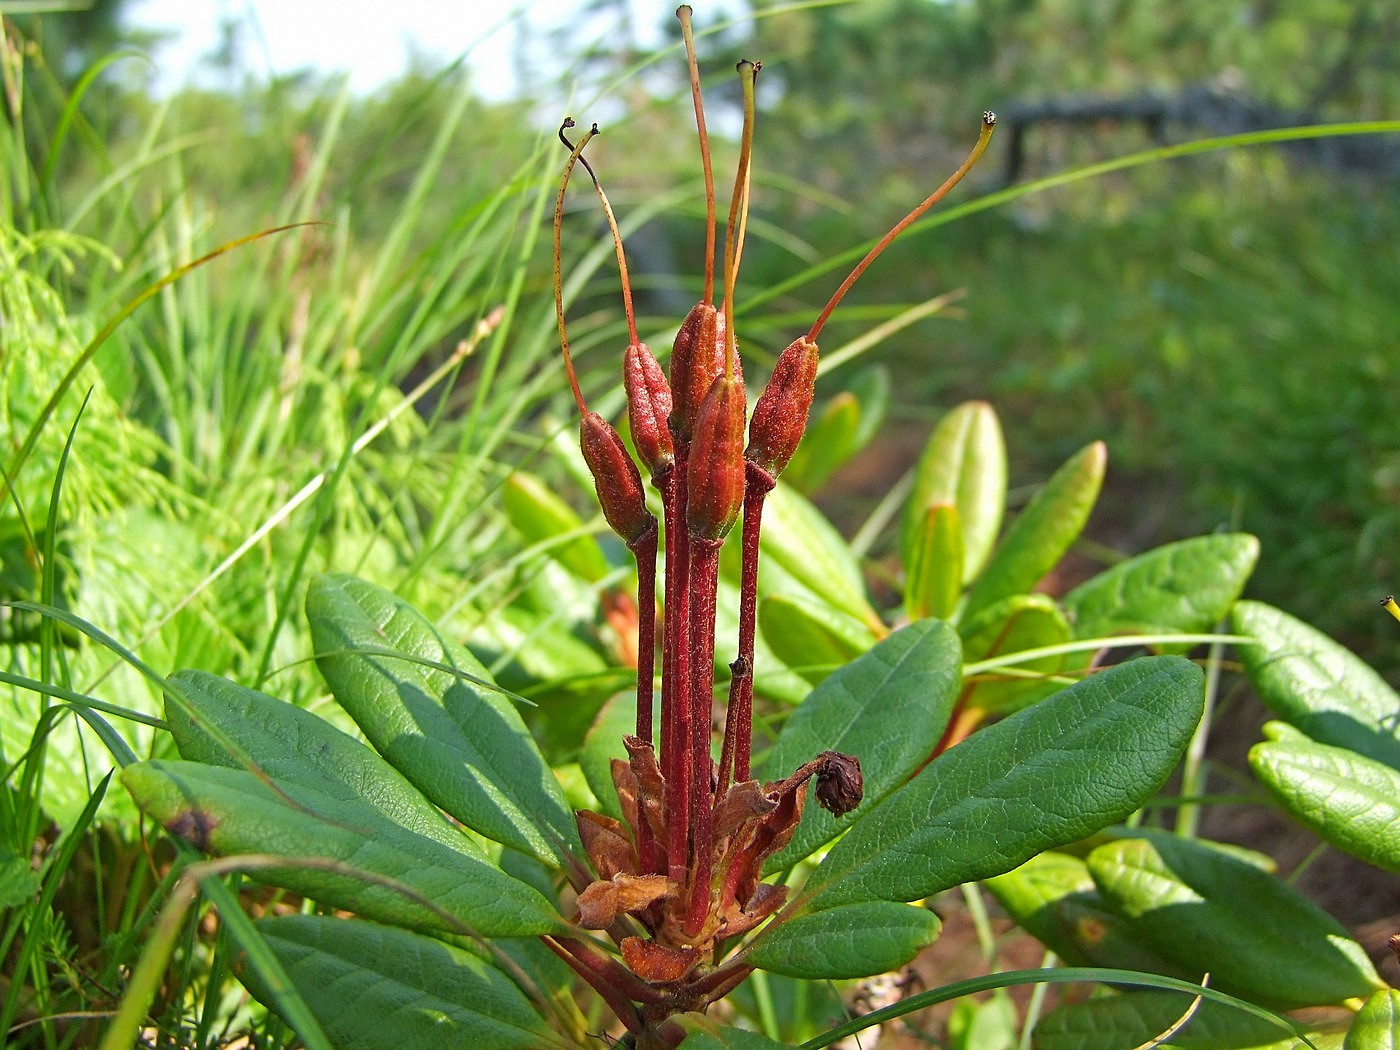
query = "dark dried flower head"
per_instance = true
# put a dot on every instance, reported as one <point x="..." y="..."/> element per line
<point x="715" y="491"/>
<point x="780" y="416"/>
<point x="648" y="408"/>
<point x="840" y="785"/>
<point x="616" y="478"/>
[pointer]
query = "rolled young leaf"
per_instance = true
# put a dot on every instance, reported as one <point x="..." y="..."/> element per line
<point x="230" y="811"/>
<point x="1053" y="773"/>
<point x="934" y="572"/>
<point x="373" y="987"/>
<point x="909" y="680"/>
<point x="459" y="741"/>
<point x="542" y="517"/>
<point x="858" y="940"/>
<point x="1317" y="685"/>
<point x="798" y="540"/>
<point x="963" y="464"/>
<point x="1377" y="1024"/>
<point x="1043" y="531"/>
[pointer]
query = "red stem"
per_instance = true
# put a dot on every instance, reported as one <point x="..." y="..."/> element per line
<point x="644" y="549"/>
<point x="675" y="764"/>
<point x="704" y="582"/>
<point x="989" y="120"/>
<point x="590" y="968"/>
<point x="738" y="726"/>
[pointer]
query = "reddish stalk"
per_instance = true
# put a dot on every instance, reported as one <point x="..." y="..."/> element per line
<point x="989" y="120"/>
<point x="592" y="968"/>
<point x="675" y="757"/>
<point x="683" y="13"/>
<point x="738" y="726"/>
<point x="738" y="210"/>
<point x="574" y="153"/>
<point x="645" y="548"/>
<point x="704" y="581"/>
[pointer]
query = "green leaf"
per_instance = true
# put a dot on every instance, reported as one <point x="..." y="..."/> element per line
<point x="602" y="744"/>
<point x="964" y="464"/>
<point x="1377" y="1024"/>
<point x="705" y="1034"/>
<point x="1346" y="799"/>
<point x="888" y="708"/>
<point x="857" y="940"/>
<point x="798" y="541"/>
<point x="811" y="638"/>
<point x="18" y="881"/>
<point x="1317" y="685"/>
<point x="291" y="744"/>
<point x="376" y="988"/>
<point x="1134" y="1019"/>
<point x="230" y="811"/>
<point x="1023" y="621"/>
<point x="1186" y="586"/>
<point x="772" y="677"/>
<point x="540" y="516"/>
<point x="934" y="575"/>
<point x="987" y="1024"/>
<point x="1205" y="909"/>
<point x="829" y="440"/>
<point x="1053" y="897"/>
<point x="1054" y="773"/>
<point x="459" y="741"/>
<point x="1043" y="532"/>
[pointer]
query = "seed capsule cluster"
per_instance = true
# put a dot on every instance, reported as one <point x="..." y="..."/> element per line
<point x="680" y="874"/>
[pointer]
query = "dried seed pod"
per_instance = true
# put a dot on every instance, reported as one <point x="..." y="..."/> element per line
<point x="694" y="366"/>
<point x="780" y="416"/>
<point x="648" y="408"/>
<point x="616" y="478"/>
<point x="840" y="785"/>
<point x="715" y="487"/>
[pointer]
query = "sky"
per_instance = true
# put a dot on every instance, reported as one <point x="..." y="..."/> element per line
<point x="369" y="39"/>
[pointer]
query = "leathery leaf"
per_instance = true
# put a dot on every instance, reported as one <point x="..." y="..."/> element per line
<point x="372" y="987"/>
<point x="909" y="679"/>
<point x="1202" y="907"/>
<point x="293" y="744"/>
<point x="856" y="940"/>
<point x="1050" y="774"/>
<point x="1349" y="800"/>
<point x="1317" y="685"/>
<point x="230" y="811"/>
<point x="454" y="736"/>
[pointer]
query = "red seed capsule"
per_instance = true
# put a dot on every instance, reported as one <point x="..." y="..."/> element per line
<point x="715" y="487"/>
<point x="648" y="408"/>
<point x="780" y="416"/>
<point x="694" y="365"/>
<point x="616" y="478"/>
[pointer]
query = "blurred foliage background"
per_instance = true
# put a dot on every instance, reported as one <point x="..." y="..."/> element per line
<point x="1226" y="322"/>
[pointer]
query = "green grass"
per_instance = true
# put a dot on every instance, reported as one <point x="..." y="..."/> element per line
<point x="347" y="394"/>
